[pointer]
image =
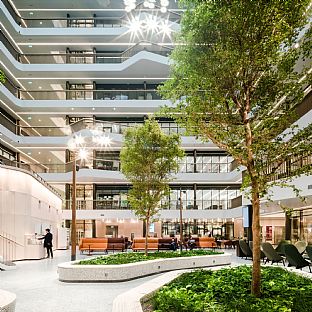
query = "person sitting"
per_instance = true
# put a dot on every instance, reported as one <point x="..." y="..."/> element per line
<point x="191" y="243"/>
<point x="173" y="245"/>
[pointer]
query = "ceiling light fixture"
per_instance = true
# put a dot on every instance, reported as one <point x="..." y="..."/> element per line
<point x="142" y="26"/>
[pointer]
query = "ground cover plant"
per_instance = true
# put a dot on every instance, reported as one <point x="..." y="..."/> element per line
<point x="124" y="258"/>
<point x="229" y="290"/>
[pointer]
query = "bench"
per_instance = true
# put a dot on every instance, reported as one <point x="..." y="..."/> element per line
<point x="139" y="244"/>
<point x="166" y="243"/>
<point x="116" y="244"/>
<point x="93" y="244"/>
<point x="206" y="242"/>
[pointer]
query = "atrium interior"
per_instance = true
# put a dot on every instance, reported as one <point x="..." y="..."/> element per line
<point x="77" y="75"/>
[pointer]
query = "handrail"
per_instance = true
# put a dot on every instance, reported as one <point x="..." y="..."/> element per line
<point x="12" y="241"/>
<point x="69" y="57"/>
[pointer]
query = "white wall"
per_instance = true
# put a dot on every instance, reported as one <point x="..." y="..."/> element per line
<point x="26" y="207"/>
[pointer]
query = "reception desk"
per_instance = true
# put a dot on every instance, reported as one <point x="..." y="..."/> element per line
<point x="33" y="248"/>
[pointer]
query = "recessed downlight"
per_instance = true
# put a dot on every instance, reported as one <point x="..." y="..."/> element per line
<point x="29" y="117"/>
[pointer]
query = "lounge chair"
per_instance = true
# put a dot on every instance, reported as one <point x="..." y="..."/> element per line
<point x="262" y="255"/>
<point x="271" y="254"/>
<point x="309" y="251"/>
<point x="245" y="249"/>
<point x="301" y="246"/>
<point x="294" y="258"/>
<point x="280" y="249"/>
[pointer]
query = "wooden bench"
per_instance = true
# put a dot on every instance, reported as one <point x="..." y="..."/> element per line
<point x="166" y="243"/>
<point x="116" y="244"/>
<point x="206" y="242"/>
<point x="139" y="244"/>
<point x="93" y="244"/>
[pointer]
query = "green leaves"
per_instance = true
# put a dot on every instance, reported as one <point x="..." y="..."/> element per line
<point x="2" y="76"/>
<point x="148" y="159"/>
<point x="229" y="290"/>
<point x="123" y="258"/>
<point x="237" y="79"/>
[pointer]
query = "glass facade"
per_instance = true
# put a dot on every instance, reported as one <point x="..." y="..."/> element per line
<point x="216" y="229"/>
<point x="202" y="198"/>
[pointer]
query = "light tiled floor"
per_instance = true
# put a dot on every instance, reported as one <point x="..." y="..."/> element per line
<point x="37" y="287"/>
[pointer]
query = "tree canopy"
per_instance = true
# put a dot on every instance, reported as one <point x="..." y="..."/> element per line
<point x="148" y="159"/>
<point x="240" y="72"/>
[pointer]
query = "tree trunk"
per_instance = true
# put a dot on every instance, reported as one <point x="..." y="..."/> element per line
<point x="146" y="235"/>
<point x="256" y="268"/>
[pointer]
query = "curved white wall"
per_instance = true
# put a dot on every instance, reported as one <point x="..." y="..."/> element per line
<point x="26" y="207"/>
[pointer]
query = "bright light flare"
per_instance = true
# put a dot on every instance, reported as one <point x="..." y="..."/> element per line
<point x="83" y="154"/>
<point x="165" y="29"/>
<point x="103" y="141"/>
<point x="135" y="26"/>
<point x="79" y="140"/>
<point x="152" y="24"/>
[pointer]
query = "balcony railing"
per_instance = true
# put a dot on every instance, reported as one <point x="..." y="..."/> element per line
<point x="82" y="22"/>
<point x="86" y="57"/>
<point x="117" y="204"/>
<point x="84" y="123"/>
<point x="88" y="94"/>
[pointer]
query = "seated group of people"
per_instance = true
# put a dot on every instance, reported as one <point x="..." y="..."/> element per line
<point x="189" y="242"/>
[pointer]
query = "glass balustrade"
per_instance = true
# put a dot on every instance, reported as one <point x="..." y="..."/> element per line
<point x="115" y="203"/>
<point x="86" y="57"/>
<point x="79" y="22"/>
<point x="107" y="95"/>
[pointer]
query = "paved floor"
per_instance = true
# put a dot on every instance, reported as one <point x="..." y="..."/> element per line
<point x="37" y="287"/>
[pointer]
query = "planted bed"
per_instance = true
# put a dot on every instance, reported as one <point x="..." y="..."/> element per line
<point x="127" y="266"/>
<point x="228" y="290"/>
<point x="124" y="258"/>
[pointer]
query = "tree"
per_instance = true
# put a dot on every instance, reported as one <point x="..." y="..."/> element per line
<point x="148" y="159"/>
<point x="2" y="76"/>
<point x="237" y="77"/>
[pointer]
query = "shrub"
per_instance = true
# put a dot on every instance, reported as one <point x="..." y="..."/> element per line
<point x="123" y="258"/>
<point x="228" y="290"/>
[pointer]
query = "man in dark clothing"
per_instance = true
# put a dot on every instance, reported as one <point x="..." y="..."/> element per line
<point x="47" y="243"/>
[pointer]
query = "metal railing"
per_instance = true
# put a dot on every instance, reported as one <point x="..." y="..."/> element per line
<point x="86" y="57"/>
<point x="92" y="124"/>
<point x="78" y="22"/>
<point x="89" y="94"/>
<point x="8" y="246"/>
<point x="119" y="204"/>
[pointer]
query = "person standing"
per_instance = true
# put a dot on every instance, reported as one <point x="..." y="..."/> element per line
<point x="47" y="243"/>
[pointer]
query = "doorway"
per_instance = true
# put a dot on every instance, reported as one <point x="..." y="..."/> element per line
<point x="111" y="230"/>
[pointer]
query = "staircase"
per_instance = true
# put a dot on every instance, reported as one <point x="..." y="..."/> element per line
<point x="8" y="246"/>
